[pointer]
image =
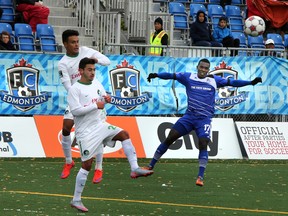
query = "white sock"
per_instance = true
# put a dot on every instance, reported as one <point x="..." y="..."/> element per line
<point x="99" y="161"/>
<point x="66" y="146"/>
<point x="81" y="179"/>
<point x="130" y="153"/>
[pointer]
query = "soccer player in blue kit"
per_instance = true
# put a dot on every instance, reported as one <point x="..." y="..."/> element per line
<point x="200" y="90"/>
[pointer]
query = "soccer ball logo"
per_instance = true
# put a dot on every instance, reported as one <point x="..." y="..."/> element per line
<point x="224" y="92"/>
<point x="254" y="26"/>
<point x="24" y="91"/>
<point x="126" y="92"/>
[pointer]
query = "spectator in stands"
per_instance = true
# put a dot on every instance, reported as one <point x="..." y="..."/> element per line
<point x="223" y="3"/>
<point x="1" y="12"/>
<point x="34" y="12"/>
<point x="269" y="44"/>
<point x="200" y="32"/>
<point x="5" y="42"/>
<point x="158" y="38"/>
<point x="223" y="34"/>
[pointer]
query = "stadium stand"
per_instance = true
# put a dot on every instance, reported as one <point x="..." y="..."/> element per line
<point x="277" y="38"/>
<point x="179" y="13"/>
<point x="215" y="11"/>
<point x="24" y="37"/>
<point x="46" y="37"/>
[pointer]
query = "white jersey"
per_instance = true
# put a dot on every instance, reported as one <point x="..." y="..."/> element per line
<point x="81" y="99"/>
<point x="68" y="66"/>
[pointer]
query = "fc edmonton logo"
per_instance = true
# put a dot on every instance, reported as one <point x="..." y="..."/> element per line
<point x="125" y="81"/>
<point x="227" y="97"/>
<point x="23" y="80"/>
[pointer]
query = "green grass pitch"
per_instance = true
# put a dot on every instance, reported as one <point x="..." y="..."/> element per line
<point x="232" y="187"/>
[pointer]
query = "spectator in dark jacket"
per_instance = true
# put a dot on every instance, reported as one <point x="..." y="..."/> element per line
<point x="200" y="32"/>
<point x="34" y="12"/>
<point x="5" y="42"/>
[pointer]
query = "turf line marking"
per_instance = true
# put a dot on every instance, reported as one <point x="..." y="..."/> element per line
<point x="153" y="203"/>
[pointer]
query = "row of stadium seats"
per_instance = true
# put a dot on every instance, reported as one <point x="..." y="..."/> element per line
<point x="258" y="42"/>
<point x="9" y="14"/>
<point x="233" y="2"/>
<point x="25" y="40"/>
<point x="213" y="11"/>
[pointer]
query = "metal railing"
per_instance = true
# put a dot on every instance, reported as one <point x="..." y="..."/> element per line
<point x="187" y="51"/>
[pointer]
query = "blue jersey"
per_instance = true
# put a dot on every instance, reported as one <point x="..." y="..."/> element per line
<point x="201" y="92"/>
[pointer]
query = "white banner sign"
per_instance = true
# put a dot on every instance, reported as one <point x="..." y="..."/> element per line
<point x="154" y="131"/>
<point x="19" y="138"/>
<point x="264" y="140"/>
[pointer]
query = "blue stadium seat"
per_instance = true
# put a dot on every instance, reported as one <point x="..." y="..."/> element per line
<point x="233" y="11"/>
<point x="24" y="37"/>
<point x="237" y="2"/>
<point x="241" y="36"/>
<point x="214" y="2"/>
<point x="236" y="24"/>
<point x="177" y="8"/>
<point x="286" y="40"/>
<point x="8" y="15"/>
<point x="215" y="10"/>
<point x="256" y="42"/>
<point x="182" y="1"/>
<point x="180" y="21"/>
<point x="199" y="1"/>
<point x="7" y="27"/>
<point x="277" y="38"/>
<point x="5" y="3"/>
<point x="214" y="21"/>
<point x="46" y="37"/>
<point x="194" y="8"/>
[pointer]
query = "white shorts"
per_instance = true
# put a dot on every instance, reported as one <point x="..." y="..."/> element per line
<point x="68" y="114"/>
<point x="92" y="144"/>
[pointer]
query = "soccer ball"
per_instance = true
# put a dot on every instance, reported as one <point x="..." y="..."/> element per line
<point x="224" y="92"/>
<point x="254" y="26"/>
<point x="24" y="91"/>
<point x="126" y="92"/>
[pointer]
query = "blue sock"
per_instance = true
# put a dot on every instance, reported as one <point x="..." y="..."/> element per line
<point x="203" y="160"/>
<point x="162" y="148"/>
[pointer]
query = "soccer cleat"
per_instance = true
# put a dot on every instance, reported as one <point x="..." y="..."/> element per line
<point x="78" y="205"/>
<point x="199" y="181"/>
<point x="97" y="176"/>
<point x="141" y="172"/>
<point x="66" y="170"/>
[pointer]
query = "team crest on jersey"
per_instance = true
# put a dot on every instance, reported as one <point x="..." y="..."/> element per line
<point x="226" y="97"/>
<point x="23" y="81"/>
<point x="126" y="94"/>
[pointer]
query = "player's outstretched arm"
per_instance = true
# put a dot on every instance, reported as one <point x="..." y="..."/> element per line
<point x="163" y="75"/>
<point x="240" y="83"/>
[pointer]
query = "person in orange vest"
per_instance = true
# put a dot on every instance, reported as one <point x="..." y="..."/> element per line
<point x="158" y="38"/>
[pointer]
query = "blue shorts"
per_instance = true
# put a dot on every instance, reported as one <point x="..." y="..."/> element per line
<point x="187" y="123"/>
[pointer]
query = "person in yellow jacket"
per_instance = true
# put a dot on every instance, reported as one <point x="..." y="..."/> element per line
<point x="158" y="38"/>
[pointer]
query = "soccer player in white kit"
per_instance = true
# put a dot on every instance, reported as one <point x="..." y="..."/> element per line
<point x="86" y="99"/>
<point x="69" y="74"/>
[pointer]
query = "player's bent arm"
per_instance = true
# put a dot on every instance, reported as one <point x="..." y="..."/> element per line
<point x="80" y="111"/>
<point x="67" y="85"/>
<point x="101" y="59"/>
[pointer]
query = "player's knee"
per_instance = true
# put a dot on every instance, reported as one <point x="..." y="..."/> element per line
<point x="87" y="165"/>
<point x="124" y="135"/>
<point x="203" y="143"/>
<point x="66" y="131"/>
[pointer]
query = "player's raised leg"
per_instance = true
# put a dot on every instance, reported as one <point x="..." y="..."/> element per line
<point x="66" y="146"/>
